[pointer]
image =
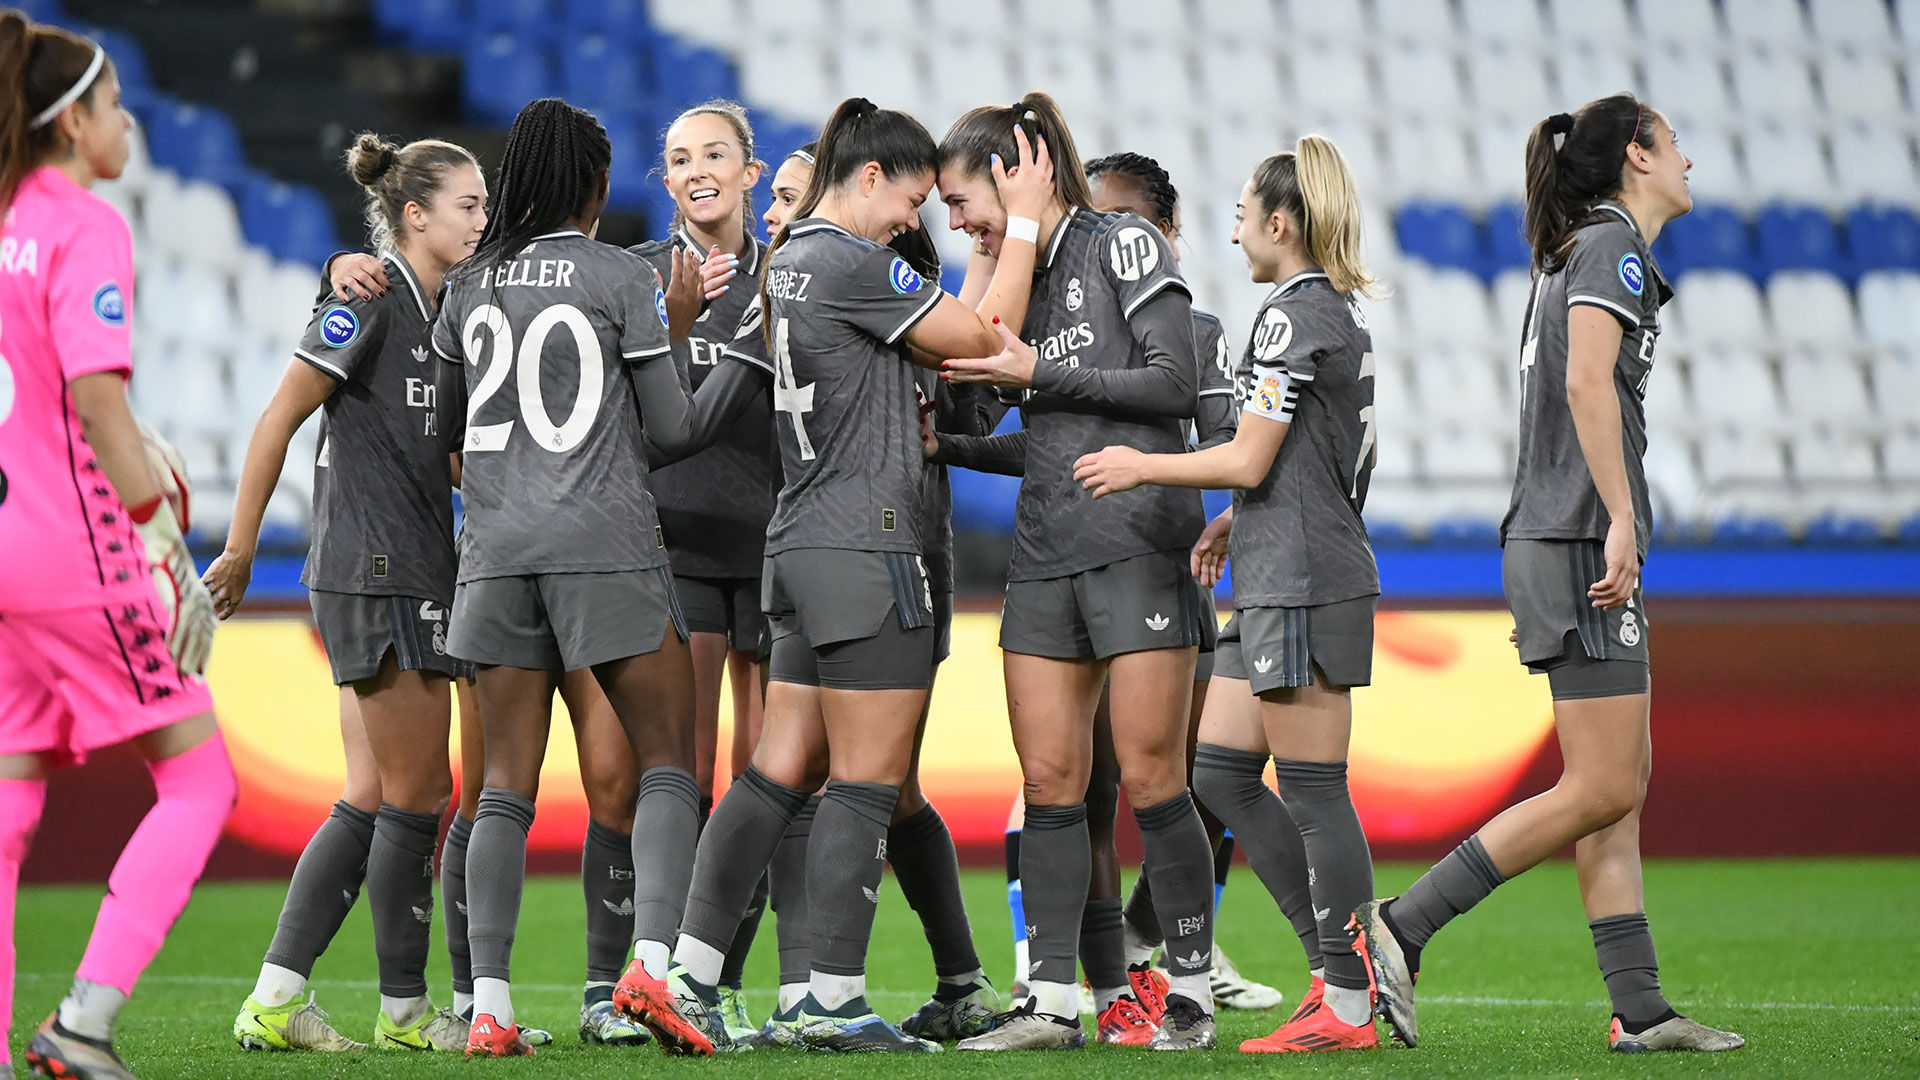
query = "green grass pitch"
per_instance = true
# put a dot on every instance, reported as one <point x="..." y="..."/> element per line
<point x="1815" y="962"/>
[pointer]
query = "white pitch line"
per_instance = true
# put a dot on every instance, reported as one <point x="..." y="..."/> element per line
<point x="910" y="995"/>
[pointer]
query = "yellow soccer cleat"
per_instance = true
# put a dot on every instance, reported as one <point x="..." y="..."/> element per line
<point x="433" y="1029"/>
<point x="297" y="1025"/>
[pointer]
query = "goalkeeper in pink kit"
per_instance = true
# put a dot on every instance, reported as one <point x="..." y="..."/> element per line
<point x="104" y="625"/>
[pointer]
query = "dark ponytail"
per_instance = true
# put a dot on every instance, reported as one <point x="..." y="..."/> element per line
<point x="1146" y="174"/>
<point x="858" y="132"/>
<point x="38" y="66"/>
<point x="1565" y="180"/>
<point x="975" y="138"/>
<point x="552" y="169"/>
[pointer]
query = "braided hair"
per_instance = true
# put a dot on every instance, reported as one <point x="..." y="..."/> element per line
<point x="1154" y="183"/>
<point x="554" y="167"/>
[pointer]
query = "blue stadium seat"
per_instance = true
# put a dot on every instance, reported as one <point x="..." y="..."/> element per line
<point x="629" y="188"/>
<point x="439" y="26"/>
<point x="1506" y="239"/>
<point x="501" y="73"/>
<point x="1798" y="238"/>
<point x="41" y="11"/>
<point x="533" y="20"/>
<point x="198" y="143"/>
<point x="1711" y="237"/>
<point x="983" y="502"/>
<point x="1464" y="532"/>
<point x="686" y="74"/>
<point x="1883" y="238"/>
<point x="605" y="75"/>
<point x="1441" y="234"/>
<point x="129" y="61"/>
<point x="1842" y="529"/>
<point x="291" y="220"/>
<point x="625" y="20"/>
<point x="1909" y="531"/>
<point x="1750" y="531"/>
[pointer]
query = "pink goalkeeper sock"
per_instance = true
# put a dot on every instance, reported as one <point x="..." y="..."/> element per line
<point x="20" y="802"/>
<point x="156" y="870"/>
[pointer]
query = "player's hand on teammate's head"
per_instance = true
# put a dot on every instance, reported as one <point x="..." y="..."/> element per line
<point x="1026" y="186"/>
<point x="1010" y="368"/>
<point x="227" y="580"/>
<point x="357" y="273"/>
<point x="717" y="273"/>
<point x="1110" y="471"/>
<point x="683" y="293"/>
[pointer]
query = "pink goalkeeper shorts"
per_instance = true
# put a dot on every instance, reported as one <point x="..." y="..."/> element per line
<point x="76" y="680"/>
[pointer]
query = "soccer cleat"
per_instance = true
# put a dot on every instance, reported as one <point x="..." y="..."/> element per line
<point x="862" y="1032"/>
<point x="1387" y="967"/>
<point x="602" y="1025"/>
<point x="1674" y="1033"/>
<point x="648" y="1000"/>
<point x="1026" y="1029"/>
<point x="958" y="1018"/>
<point x="1184" y="1026"/>
<point x="1149" y="986"/>
<point x="1124" y="1023"/>
<point x="1232" y="990"/>
<point x="56" y="1052"/>
<point x="780" y="1032"/>
<point x="1313" y="1027"/>
<point x="733" y="1014"/>
<point x="433" y="1029"/>
<point x="488" y="1037"/>
<point x="297" y="1025"/>
<point x="1316" y="993"/>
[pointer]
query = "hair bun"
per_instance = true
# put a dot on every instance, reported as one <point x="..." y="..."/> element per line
<point x="370" y="158"/>
<point x="1559" y="123"/>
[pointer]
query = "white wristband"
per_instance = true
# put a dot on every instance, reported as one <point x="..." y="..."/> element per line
<point x="1023" y="228"/>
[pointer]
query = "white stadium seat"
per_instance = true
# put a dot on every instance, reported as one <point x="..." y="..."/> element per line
<point x="1510" y="81"/>
<point x="1586" y="73"/>
<point x="1332" y="82"/>
<point x="1420" y="21"/>
<point x="1861" y="88"/>
<point x="1787" y="164"/>
<point x="1604" y="23"/>
<point x="1732" y="455"/>
<point x="1874" y="164"/>
<point x="1778" y="23"/>
<point x="1072" y="19"/>
<point x="1240" y="20"/>
<point x="1826" y="390"/>
<point x="1896" y="388"/>
<point x="1666" y="22"/>
<point x="1161" y="23"/>
<point x="1686" y="81"/>
<point x="1812" y="311"/>
<point x="1467" y="453"/>
<point x="1900" y="457"/>
<point x="1890" y="309"/>
<point x="1830" y="457"/>
<point x="1773" y="84"/>
<point x="1513" y="22"/>
<point x="1421" y="83"/>
<point x="1723" y="309"/>
<point x="1865" y="27"/>
<point x="1431" y="161"/>
<point x="1448" y="309"/>
<point x="1735" y="390"/>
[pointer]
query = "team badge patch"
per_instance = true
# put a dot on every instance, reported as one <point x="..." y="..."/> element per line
<point x="339" y="326"/>
<point x="1273" y="335"/>
<point x="1631" y="275"/>
<point x="1267" y="398"/>
<point x="109" y="305"/>
<point x="1076" y="296"/>
<point x="902" y="277"/>
<point x="660" y="304"/>
<point x="1134" y="254"/>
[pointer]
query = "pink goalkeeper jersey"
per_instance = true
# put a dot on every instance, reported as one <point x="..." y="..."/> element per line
<point x="66" y="282"/>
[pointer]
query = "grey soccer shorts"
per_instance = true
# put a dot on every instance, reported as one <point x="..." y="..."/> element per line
<point x="850" y="620"/>
<point x="729" y="606"/>
<point x="1585" y="652"/>
<point x="357" y="631"/>
<point x="1209" y="634"/>
<point x="1227" y="661"/>
<point x="564" y="622"/>
<point x="1280" y="646"/>
<point x="1146" y="602"/>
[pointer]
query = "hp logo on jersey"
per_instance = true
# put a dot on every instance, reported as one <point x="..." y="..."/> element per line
<point x="903" y="278"/>
<point x="109" y="306"/>
<point x="1134" y="254"/>
<point x="1631" y="275"/>
<point x="1273" y="335"/>
<point x="338" y="326"/>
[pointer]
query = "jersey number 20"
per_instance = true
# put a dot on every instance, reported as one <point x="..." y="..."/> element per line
<point x="533" y="408"/>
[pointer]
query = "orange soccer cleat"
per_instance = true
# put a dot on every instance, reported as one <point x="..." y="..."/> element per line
<point x="1314" y="1027"/>
<point x="650" y="1002"/>
<point x="1149" y="985"/>
<point x="490" y="1038"/>
<point x="1125" y="1023"/>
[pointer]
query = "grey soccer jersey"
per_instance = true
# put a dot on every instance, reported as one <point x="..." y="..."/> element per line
<point x="1219" y="403"/>
<point x="1611" y="268"/>
<point x="554" y="467"/>
<point x="382" y="489"/>
<point x="1298" y="540"/>
<point x="714" y="506"/>
<point x="844" y="392"/>
<point x="1097" y="273"/>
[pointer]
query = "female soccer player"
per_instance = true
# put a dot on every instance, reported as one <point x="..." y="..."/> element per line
<point x="562" y="566"/>
<point x="91" y="652"/>
<point x="1601" y="184"/>
<point x="849" y="599"/>
<point x="1096" y="590"/>
<point x="1304" y="581"/>
<point x="381" y="574"/>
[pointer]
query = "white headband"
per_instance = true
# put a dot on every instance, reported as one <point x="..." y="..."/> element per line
<point x="803" y="156"/>
<point x="46" y="115"/>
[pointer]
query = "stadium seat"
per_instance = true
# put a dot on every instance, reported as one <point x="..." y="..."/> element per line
<point x="1588" y="72"/>
<point x="1604" y="24"/>
<point x="1415" y="21"/>
<point x="1812" y="311"/>
<point x="1506" y="239"/>
<point x="1833" y="457"/>
<point x="983" y="502"/>
<point x="1230" y="21"/>
<point x="966" y="73"/>
<point x="1440" y="233"/>
<point x="1717" y="174"/>
<point x="687" y="74"/>
<point x="1865" y="28"/>
<point x="1860" y="88"/>
<point x="435" y="26"/>
<point x="1331" y="82"/>
<point x="1890" y="309"/>
<point x="1510" y="82"/>
<point x="1798" y="238"/>
<point x="1826" y="390"/>
<point x="1900" y="457"/>
<point x="605" y="75"/>
<point x="1421" y="83"/>
<point x="1874" y="164"/>
<point x="501" y="73"/>
<point x="1448" y="309"/>
<point x="1735" y="391"/>
<point x="1710" y="237"/>
<point x="1772" y="83"/>
<point x="1161" y="24"/>
<point x="1431" y="161"/>
<point x="1073" y="76"/>
<point x="529" y="20"/>
<point x="290" y="220"/>
<point x="1896" y="389"/>
<point x="1467" y="453"/>
<point x="622" y="20"/>
<point x="1764" y="22"/>
<point x="1505" y="22"/>
<point x="803" y="91"/>
<point x="1786" y="164"/>
<point x="1731" y="456"/>
<point x="196" y="142"/>
<point x="1689" y="78"/>
<point x="1329" y="24"/>
<point x="1672" y="478"/>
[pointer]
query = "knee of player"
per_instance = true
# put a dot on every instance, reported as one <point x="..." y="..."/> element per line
<point x="1153" y="778"/>
<point x="1605" y="802"/>
<point x="1051" y="781"/>
<point x="611" y="798"/>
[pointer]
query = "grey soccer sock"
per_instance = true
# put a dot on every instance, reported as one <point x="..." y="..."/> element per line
<point x="666" y="829"/>
<point x="928" y="870"/>
<point x="325" y="882"/>
<point x="735" y="847"/>
<point x="400" y="897"/>
<point x="1139" y="915"/>
<point x="845" y="858"/>
<point x="1176" y="854"/>
<point x="1103" y="950"/>
<point x="607" y="880"/>
<point x="734" y="965"/>
<point x="1624" y="946"/>
<point x="1340" y="867"/>
<point x="1231" y="783"/>
<point x="787" y="889"/>
<point x="453" y="901"/>
<point x="1055" y="868"/>
<point x="496" y="874"/>
<point x="1453" y="885"/>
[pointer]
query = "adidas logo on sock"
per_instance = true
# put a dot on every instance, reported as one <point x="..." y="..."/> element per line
<point x="873" y="895"/>
<point x="461" y="905"/>
<point x="623" y="909"/>
<point x="1198" y="959"/>
<point x="425" y="917"/>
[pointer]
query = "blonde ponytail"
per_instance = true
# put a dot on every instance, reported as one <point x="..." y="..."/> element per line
<point x="1331" y="219"/>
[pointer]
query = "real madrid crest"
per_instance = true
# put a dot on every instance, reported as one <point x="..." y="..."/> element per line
<point x="1075" y="295"/>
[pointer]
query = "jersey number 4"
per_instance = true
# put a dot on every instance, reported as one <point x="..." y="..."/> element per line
<point x="789" y="397"/>
<point x="533" y="407"/>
